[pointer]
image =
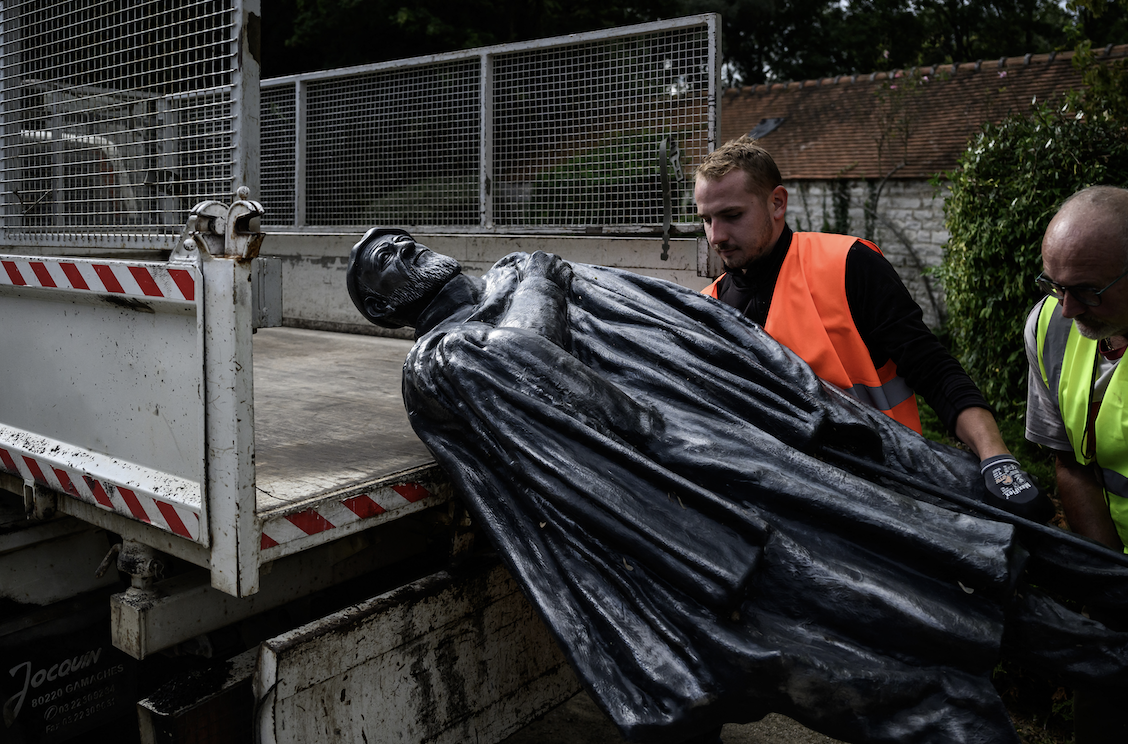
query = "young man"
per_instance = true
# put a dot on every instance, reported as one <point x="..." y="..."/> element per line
<point x="839" y="305"/>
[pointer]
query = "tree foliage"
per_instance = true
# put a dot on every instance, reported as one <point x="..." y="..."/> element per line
<point x="1105" y="84"/>
<point x="778" y="39"/>
<point x="926" y="32"/>
<point x="1006" y="188"/>
<point x="306" y="35"/>
<point x="762" y="39"/>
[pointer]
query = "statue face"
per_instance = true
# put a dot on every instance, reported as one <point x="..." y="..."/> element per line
<point x="390" y="274"/>
<point x="389" y="264"/>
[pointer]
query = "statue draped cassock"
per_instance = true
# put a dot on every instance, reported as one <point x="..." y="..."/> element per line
<point x="647" y="463"/>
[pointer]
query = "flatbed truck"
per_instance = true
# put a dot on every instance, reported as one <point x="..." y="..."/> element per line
<point x="179" y="480"/>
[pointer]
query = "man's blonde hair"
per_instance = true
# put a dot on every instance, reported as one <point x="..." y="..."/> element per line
<point x="745" y="155"/>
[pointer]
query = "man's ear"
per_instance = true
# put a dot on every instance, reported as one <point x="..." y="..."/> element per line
<point x="777" y="202"/>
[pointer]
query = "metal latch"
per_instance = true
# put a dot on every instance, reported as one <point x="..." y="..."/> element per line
<point x="223" y="231"/>
<point x="216" y="230"/>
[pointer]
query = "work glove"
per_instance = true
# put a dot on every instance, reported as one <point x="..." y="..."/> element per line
<point x="1012" y="489"/>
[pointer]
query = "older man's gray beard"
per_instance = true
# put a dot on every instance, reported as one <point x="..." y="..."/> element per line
<point x="428" y="278"/>
<point x="1096" y="329"/>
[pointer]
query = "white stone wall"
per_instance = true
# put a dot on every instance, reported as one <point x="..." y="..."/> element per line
<point x="313" y="267"/>
<point x="908" y="226"/>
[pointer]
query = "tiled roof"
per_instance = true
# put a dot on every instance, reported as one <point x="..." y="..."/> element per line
<point x="832" y="126"/>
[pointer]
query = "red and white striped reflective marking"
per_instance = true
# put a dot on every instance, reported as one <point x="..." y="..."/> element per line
<point x="336" y="514"/>
<point x="176" y="518"/>
<point x="142" y="280"/>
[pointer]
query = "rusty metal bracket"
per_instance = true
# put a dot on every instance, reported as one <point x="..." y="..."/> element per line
<point x="143" y="564"/>
<point x="39" y="503"/>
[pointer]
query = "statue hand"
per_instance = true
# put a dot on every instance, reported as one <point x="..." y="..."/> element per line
<point x="539" y="303"/>
<point x="549" y="266"/>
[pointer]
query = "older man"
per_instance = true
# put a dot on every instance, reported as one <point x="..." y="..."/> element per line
<point x="836" y="302"/>
<point x="1078" y="396"/>
<point x="1075" y="339"/>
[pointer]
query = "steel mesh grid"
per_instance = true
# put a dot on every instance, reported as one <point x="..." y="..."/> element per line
<point x="568" y="137"/>
<point x="117" y="115"/>
<point x="394" y="147"/>
<point x="278" y="173"/>
<point x="578" y="130"/>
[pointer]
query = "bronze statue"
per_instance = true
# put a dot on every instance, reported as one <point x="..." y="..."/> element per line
<point x="711" y="532"/>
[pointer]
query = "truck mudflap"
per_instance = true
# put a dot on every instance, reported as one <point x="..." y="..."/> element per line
<point x="60" y="676"/>
<point x="454" y="657"/>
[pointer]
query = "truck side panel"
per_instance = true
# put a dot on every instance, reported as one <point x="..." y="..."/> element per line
<point x="458" y="656"/>
<point x="103" y="391"/>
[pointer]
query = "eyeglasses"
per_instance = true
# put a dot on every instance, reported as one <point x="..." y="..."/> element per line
<point x="1085" y="295"/>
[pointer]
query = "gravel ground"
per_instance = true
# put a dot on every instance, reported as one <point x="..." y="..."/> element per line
<point x="579" y="721"/>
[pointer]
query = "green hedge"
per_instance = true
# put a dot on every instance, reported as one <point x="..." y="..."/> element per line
<point x="1006" y="188"/>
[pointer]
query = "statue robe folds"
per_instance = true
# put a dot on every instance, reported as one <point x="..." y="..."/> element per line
<point x="653" y="469"/>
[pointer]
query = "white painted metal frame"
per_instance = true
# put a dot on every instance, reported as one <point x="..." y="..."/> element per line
<point x="228" y="375"/>
<point x="246" y="108"/>
<point x="131" y="404"/>
<point x="485" y="143"/>
<point x="299" y="154"/>
<point x="106" y="345"/>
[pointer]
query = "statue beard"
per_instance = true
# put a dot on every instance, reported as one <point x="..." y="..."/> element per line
<point x="428" y="279"/>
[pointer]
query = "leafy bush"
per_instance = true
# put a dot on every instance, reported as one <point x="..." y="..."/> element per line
<point x="1006" y="188"/>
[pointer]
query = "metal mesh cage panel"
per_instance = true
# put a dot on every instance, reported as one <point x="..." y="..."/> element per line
<point x="578" y="130"/>
<point x="559" y="134"/>
<point x="117" y="116"/>
<point x="394" y="147"/>
<point x="278" y="171"/>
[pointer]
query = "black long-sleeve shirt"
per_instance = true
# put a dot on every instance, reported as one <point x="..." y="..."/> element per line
<point x="887" y="317"/>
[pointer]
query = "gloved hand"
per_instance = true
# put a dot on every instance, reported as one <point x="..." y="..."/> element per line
<point x="1012" y="489"/>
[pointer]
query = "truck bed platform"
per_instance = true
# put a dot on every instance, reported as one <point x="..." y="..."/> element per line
<point x="328" y="413"/>
<point x="334" y="447"/>
<point x="144" y="401"/>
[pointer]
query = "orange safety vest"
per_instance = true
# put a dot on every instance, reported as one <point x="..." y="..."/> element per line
<point x="810" y="315"/>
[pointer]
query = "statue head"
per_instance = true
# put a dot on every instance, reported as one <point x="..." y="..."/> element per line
<point x="391" y="278"/>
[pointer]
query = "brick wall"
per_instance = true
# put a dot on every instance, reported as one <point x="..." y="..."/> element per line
<point x="908" y="226"/>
